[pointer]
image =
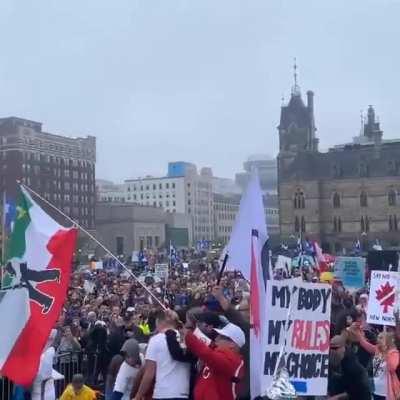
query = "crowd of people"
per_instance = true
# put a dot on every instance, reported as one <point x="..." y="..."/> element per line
<point x="128" y="347"/>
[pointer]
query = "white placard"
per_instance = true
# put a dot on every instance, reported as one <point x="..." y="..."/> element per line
<point x="161" y="270"/>
<point x="382" y="297"/>
<point x="308" y="338"/>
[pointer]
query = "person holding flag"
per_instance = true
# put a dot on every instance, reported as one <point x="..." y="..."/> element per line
<point x="248" y="252"/>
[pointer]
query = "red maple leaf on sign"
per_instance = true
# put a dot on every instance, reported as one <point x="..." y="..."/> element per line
<point x="385" y="295"/>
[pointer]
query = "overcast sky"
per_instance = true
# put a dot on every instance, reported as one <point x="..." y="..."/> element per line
<point x="195" y="80"/>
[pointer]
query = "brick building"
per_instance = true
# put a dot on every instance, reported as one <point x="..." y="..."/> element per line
<point x="61" y="169"/>
<point x="347" y="193"/>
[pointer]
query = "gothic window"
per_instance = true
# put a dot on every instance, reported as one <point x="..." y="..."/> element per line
<point x="364" y="224"/>
<point x="393" y="223"/>
<point x="303" y="225"/>
<point x="336" y="200"/>
<point x="363" y="169"/>
<point x="297" y="225"/>
<point x="299" y="200"/>
<point x="337" y="224"/>
<point x="392" y="197"/>
<point x="363" y="199"/>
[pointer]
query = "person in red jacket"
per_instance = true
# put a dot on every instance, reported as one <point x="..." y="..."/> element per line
<point x="223" y="364"/>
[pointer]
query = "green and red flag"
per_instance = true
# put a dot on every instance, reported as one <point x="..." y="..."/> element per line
<point x="38" y="267"/>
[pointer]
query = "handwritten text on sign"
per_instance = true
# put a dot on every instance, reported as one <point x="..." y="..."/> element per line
<point x="382" y="297"/>
<point x="307" y="349"/>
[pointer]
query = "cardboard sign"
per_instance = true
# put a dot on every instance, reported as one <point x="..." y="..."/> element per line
<point x="351" y="271"/>
<point x="382" y="298"/>
<point x="308" y="336"/>
<point x="161" y="270"/>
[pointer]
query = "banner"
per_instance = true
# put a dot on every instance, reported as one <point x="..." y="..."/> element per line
<point x="161" y="270"/>
<point x="351" y="271"/>
<point x="382" y="296"/>
<point x="308" y="336"/>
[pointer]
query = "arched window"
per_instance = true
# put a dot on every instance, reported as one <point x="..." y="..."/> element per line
<point x="297" y="225"/>
<point x="392" y="197"/>
<point x="303" y="225"/>
<point x="364" y="224"/>
<point x="337" y="224"/>
<point x="363" y="199"/>
<point x="393" y="223"/>
<point x="299" y="200"/>
<point x="336" y="200"/>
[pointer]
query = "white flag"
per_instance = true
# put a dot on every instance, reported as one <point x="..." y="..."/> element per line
<point x="250" y="217"/>
<point x="244" y="251"/>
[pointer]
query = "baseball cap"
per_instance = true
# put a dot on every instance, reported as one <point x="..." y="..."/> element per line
<point x="234" y="333"/>
<point x="131" y="348"/>
<point x="210" y="318"/>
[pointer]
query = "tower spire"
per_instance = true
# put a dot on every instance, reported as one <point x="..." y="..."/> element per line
<point x="296" y="87"/>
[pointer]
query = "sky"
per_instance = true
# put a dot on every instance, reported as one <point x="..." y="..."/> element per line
<point x="195" y="80"/>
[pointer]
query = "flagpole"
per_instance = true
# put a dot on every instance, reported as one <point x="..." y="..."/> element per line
<point x="3" y="240"/>
<point x="96" y="241"/>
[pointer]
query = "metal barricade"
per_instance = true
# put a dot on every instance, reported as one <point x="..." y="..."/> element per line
<point x="67" y="364"/>
<point x="6" y="389"/>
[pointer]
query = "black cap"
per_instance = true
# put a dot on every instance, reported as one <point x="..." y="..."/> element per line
<point x="210" y="318"/>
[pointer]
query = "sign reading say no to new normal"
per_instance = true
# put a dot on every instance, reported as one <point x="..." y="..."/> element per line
<point x="383" y="295"/>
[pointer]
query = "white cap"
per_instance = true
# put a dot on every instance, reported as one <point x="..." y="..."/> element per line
<point x="234" y="333"/>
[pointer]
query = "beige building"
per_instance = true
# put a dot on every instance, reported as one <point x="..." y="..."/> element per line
<point x="350" y="192"/>
<point x="226" y="208"/>
<point x="127" y="227"/>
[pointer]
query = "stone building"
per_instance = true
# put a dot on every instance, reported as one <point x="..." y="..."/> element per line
<point x="124" y="227"/>
<point x="347" y="193"/>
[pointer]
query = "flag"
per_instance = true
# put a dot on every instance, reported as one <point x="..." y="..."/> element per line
<point x="320" y="259"/>
<point x="39" y="257"/>
<point x="299" y="246"/>
<point x="250" y="216"/>
<point x="248" y="252"/>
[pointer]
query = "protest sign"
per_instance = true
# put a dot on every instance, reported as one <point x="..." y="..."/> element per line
<point x="307" y="348"/>
<point x="283" y="263"/>
<point x="161" y="270"/>
<point x="351" y="271"/>
<point x="382" y="296"/>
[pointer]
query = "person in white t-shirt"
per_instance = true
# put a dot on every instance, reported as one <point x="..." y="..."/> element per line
<point x="128" y="370"/>
<point x="43" y="385"/>
<point x="171" y="377"/>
